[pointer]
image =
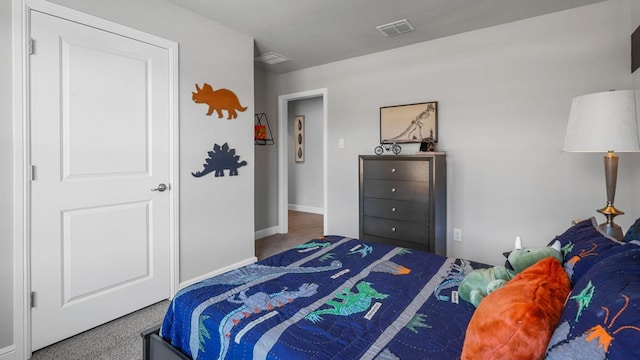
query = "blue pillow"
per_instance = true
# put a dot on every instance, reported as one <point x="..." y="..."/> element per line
<point x="601" y="319"/>
<point x="582" y="246"/>
<point x="634" y="232"/>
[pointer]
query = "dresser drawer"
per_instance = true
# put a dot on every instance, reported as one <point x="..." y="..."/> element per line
<point x="397" y="190"/>
<point x="395" y="229"/>
<point x="396" y="170"/>
<point x="417" y="212"/>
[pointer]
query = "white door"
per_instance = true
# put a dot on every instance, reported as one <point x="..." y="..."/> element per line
<point x="100" y="125"/>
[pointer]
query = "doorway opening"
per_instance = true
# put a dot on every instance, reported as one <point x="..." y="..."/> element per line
<point x="284" y="154"/>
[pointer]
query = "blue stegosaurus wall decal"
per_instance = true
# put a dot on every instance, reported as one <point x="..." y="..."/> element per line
<point x="220" y="159"/>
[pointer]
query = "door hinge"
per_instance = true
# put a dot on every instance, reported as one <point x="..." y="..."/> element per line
<point x="32" y="173"/>
<point x="33" y="299"/>
<point x="32" y="46"/>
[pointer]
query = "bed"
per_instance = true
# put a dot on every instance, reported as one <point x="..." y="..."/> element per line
<point x="342" y="298"/>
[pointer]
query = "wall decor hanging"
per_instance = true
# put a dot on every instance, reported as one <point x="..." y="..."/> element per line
<point x="262" y="132"/>
<point x="411" y="123"/>
<point x="220" y="159"/>
<point x="218" y="100"/>
<point x="298" y="135"/>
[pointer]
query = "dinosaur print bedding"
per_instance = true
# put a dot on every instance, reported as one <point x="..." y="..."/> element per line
<point x="330" y="298"/>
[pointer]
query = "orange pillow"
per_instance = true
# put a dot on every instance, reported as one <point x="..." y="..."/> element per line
<point x="516" y="321"/>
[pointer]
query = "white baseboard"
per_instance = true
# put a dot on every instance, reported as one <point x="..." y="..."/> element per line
<point x="267" y="232"/>
<point x="8" y="353"/>
<point x="308" y="209"/>
<point x="248" y="261"/>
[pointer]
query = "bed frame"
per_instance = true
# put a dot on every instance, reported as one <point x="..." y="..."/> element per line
<point x="155" y="348"/>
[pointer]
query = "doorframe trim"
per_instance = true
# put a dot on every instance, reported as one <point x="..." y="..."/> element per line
<point x="21" y="22"/>
<point x="283" y="171"/>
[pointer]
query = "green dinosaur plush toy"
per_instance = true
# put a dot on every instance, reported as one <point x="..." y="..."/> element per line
<point x="481" y="282"/>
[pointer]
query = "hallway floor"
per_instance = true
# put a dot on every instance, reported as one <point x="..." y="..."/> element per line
<point x="302" y="228"/>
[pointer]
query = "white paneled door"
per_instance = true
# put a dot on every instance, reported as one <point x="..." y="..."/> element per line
<point x="100" y="142"/>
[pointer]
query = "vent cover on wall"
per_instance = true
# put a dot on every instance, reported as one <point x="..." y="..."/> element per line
<point x="395" y="28"/>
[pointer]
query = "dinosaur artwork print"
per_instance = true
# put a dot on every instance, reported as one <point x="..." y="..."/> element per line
<point x="570" y="264"/>
<point x="256" y="272"/>
<point x="453" y="279"/>
<point x="218" y="100"/>
<point x="262" y="301"/>
<point x="596" y="341"/>
<point x="348" y="303"/>
<point x="255" y="304"/>
<point x="605" y="333"/>
<point x="314" y="245"/>
<point x="415" y="116"/>
<point x="416" y="322"/>
<point x="583" y="299"/>
<point x="220" y="159"/>
<point x="390" y="267"/>
<point x="362" y="250"/>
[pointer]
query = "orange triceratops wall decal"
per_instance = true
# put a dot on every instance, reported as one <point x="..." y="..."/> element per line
<point x="218" y="100"/>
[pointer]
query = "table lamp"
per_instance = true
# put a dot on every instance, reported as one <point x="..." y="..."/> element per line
<point x="605" y="122"/>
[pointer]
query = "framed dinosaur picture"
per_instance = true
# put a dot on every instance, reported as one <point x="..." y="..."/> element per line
<point x="412" y="123"/>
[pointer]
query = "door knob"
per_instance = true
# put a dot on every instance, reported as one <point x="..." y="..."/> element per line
<point x="161" y="188"/>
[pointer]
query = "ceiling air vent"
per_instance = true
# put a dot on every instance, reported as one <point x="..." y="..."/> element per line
<point x="395" y="28"/>
<point x="272" y="58"/>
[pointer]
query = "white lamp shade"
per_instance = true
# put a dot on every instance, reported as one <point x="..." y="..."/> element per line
<point x="601" y="122"/>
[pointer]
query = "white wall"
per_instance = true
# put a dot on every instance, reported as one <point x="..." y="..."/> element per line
<point x="504" y="95"/>
<point x="306" y="178"/>
<point x="266" y="159"/>
<point x="216" y="214"/>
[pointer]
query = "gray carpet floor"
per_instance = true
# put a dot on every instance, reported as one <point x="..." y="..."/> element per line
<point x="116" y="340"/>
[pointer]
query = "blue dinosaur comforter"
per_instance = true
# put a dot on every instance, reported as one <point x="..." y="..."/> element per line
<point x="330" y="298"/>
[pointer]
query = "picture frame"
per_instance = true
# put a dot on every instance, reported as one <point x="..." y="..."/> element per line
<point x="298" y="136"/>
<point x="411" y="123"/>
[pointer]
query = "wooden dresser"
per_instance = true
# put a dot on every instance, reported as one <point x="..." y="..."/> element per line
<point x="403" y="200"/>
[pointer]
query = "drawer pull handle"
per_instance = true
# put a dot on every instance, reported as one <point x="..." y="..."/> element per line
<point x="393" y="229"/>
<point x="393" y="209"/>
<point x="393" y="170"/>
<point x="393" y="189"/>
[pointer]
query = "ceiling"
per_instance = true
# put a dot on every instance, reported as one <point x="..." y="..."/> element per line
<point x="316" y="32"/>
